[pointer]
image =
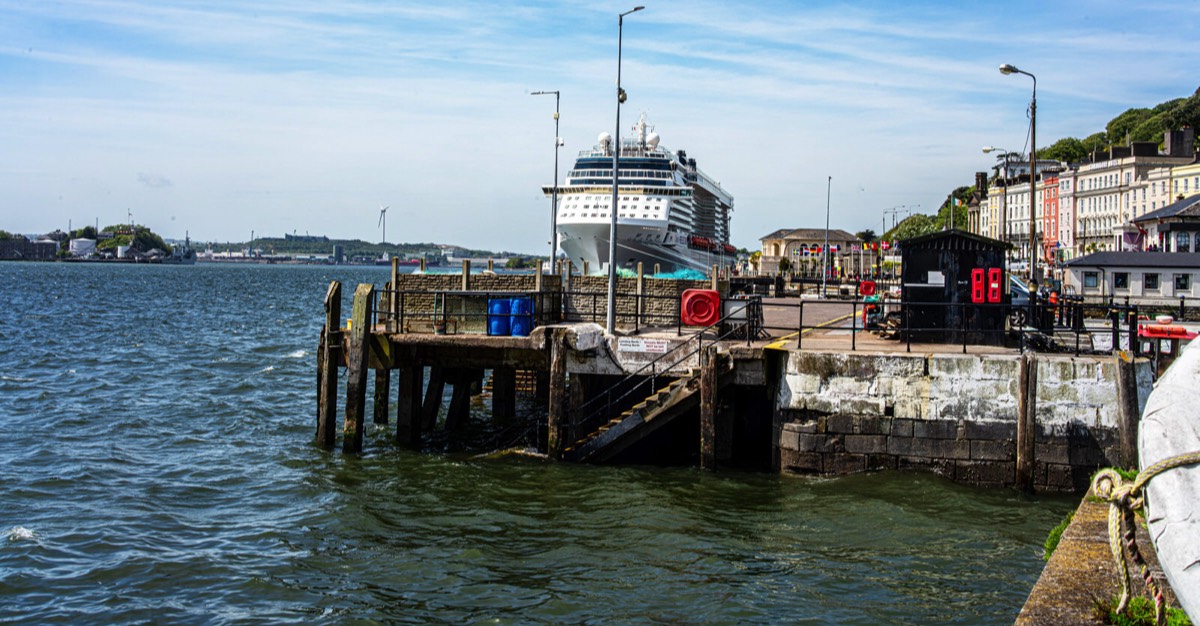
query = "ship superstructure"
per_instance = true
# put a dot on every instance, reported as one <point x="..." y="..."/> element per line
<point x="669" y="212"/>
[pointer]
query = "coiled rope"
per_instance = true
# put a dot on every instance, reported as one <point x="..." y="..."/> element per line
<point x="1124" y="498"/>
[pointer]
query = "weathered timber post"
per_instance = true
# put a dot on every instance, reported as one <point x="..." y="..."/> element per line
<point x="1127" y="409"/>
<point x="356" y="375"/>
<point x="460" y="400"/>
<point x="383" y="383"/>
<point x="715" y="278"/>
<point x="504" y="393"/>
<point x="657" y="269"/>
<point x="393" y="324"/>
<point x="1026" y="420"/>
<point x="409" y="417"/>
<point x="466" y="274"/>
<point x="537" y="280"/>
<point x="556" y="416"/>
<point x="640" y="301"/>
<point x="708" y="407"/>
<point x="433" y="397"/>
<point x="329" y="356"/>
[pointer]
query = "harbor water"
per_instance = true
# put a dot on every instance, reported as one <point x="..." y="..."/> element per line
<point x="157" y="466"/>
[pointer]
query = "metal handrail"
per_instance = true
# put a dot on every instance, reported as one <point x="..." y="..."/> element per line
<point x="652" y="377"/>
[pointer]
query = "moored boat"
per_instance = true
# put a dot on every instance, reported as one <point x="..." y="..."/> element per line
<point x="670" y="213"/>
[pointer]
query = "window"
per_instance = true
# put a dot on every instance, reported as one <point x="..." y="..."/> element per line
<point x="1091" y="280"/>
<point x="1150" y="282"/>
<point x="1183" y="282"/>
<point x="1183" y="242"/>
<point x="1120" y="280"/>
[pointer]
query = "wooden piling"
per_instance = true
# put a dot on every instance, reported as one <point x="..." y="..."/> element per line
<point x="356" y="374"/>
<point x="1128" y="412"/>
<point x="504" y="393"/>
<point x="329" y="356"/>
<point x="393" y="321"/>
<point x="409" y="415"/>
<point x="433" y="397"/>
<point x="708" y="407"/>
<point x="1026" y="421"/>
<point x="383" y="383"/>
<point x="462" y="381"/>
<point x="556" y="416"/>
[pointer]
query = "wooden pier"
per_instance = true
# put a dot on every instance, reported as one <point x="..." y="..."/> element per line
<point x="596" y="412"/>
<point x="825" y="398"/>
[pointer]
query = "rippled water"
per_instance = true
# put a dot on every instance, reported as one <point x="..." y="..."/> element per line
<point x="157" y="467"/>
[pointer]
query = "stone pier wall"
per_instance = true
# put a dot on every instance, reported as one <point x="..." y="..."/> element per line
<point x="956" y="415"/>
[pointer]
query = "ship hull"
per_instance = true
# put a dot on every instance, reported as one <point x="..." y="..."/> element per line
<point x="589" y="243"/>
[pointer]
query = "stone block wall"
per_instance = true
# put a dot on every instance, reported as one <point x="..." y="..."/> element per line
<point x="661" y="308"/>
<point x="955" y="415"/>
<point x="579" y="298"/>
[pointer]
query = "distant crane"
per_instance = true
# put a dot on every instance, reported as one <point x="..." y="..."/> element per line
<point x="383" y="220"/>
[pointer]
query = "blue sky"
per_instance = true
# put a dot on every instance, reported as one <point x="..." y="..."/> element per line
<point x="222" y="118"/>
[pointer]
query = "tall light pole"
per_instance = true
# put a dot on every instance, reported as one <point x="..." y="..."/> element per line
<point x="1007" y="69"/>
<point x="1003" y="191"/>
<point x="825" y="262"/>
<point x="612" y="229"/>
<point x="558" y="142"/>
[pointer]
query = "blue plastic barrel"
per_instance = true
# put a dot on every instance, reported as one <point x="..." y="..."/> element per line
<point x="522" y="316"/>
<point x="498" y="316"/>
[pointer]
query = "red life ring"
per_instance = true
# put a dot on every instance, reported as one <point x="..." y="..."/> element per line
<point x="700" y="307"/>
<point x="867" y="287"/>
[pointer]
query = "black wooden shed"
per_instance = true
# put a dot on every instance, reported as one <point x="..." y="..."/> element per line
<point x="954" y="288"/>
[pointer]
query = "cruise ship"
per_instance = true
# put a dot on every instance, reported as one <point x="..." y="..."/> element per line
<point x="671" y="213"/>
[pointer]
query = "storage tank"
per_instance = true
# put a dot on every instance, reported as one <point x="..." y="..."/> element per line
<point x="81" y="247"/>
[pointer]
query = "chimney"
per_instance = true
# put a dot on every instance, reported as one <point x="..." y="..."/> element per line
<point x="1179" y="142"/>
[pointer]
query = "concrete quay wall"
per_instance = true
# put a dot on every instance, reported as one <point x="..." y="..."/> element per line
<point x="956" y="415"/>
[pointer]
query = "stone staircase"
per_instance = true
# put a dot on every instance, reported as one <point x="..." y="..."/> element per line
<point x="656" y="411"/>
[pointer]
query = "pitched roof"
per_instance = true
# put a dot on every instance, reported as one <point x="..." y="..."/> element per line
<point x="811" y="234"/>
<point x="1186" y="207"/>
<point x="1137" y="259"/>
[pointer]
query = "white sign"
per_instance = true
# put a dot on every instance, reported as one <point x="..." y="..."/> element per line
<point x="641" y="344"/>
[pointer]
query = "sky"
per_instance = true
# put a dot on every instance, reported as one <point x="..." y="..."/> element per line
<point x="224" y="120"/>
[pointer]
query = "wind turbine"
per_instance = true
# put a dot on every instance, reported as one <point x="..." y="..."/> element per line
<point x="383" y="220"/>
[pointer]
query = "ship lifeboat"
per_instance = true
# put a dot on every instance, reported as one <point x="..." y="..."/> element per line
<point x="700" y="243"/>
<point x="729" y="249"/>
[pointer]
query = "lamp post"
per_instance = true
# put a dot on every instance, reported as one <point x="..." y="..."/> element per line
<point x="1003" y="191"/>
<point x="1007" y="69"/>
<point x="558" y="142"/>
<point x="612" y="229"/>
<point x="825" y="261"/>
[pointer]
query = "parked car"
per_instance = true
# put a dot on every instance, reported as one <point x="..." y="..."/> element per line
<point x="1018" y="314"/>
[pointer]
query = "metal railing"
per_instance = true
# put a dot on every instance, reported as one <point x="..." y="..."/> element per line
<point x="644" y="382"/>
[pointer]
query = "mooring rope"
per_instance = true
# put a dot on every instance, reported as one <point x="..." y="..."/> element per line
<point x="1123" y="499"/>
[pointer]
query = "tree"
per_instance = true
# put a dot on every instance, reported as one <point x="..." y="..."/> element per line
<point x="867" y="235"/>
<point x="1097" y="141"/>
<point x="784" y="265"/>
<point x="914" y="226"/>
<point x="1123" y="125"/>
<point x="1068" y="149"/>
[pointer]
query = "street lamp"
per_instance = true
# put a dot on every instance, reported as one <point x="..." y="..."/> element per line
<point x="612" y="230"/>
<point x="1004" y="191"/>
<point x="825" y="262"/>
<point x="558" y="142"/>
<point x="1007" y="69"/>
